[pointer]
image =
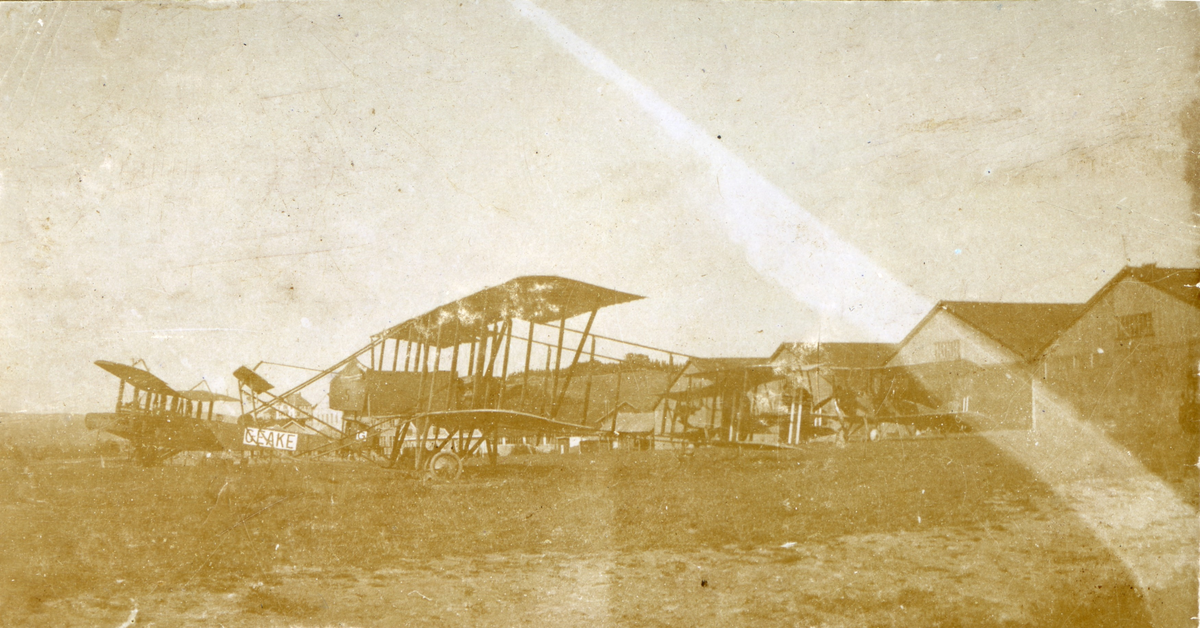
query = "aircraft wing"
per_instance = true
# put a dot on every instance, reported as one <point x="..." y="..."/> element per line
<point x="138" y="378"/>
<point x="539" y="299"/>
<point x="952" y="421"/>
<point x="752" y="446"/>
<point x="507" y="421"/>
<point x="923" y="420"/>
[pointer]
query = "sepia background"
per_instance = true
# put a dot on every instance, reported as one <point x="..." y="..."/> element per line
<point x="205" y="185"/>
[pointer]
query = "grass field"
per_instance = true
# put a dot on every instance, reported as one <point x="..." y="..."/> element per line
<point x="46" y="436"/>
<point x="943" y="532"/>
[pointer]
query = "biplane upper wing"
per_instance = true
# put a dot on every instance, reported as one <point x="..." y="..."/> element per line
<point x="538" y="299"/>
<point x="252" y="380"/>
<point x="138" y="378"/>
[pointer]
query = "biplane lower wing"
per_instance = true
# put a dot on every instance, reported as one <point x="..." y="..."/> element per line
<point x="439" y="441"/>
<point x="754" y="446"/>
<point x="944" y="422"/>
<point x="932" y="421"/>
<point x="154" y="430"/>
<point x="509" y="422"/>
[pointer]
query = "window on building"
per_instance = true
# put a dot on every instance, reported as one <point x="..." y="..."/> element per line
<point x="1135" y="326"/>
<point x="947" y="351"/>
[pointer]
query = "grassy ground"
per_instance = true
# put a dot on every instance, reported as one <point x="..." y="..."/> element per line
<point x="912" y="533"/>
<point x="48" y="436"/>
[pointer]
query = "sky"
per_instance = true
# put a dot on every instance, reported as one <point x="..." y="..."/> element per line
<point x="207" y="185"/>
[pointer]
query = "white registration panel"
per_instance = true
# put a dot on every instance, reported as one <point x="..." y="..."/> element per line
<point x="271" y="439"/>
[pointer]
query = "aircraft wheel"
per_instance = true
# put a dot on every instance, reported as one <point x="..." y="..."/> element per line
<point x="445" y="466"/>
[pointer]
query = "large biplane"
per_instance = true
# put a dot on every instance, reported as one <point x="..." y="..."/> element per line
<point x="450" y="383"/>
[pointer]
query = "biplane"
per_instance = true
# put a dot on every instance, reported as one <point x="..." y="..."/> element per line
<point x="838" y="402"/>
<point x="159" y="421"/>
<point x="712" y="402"/>
<point x="507" y="362"/>
<point x="771" y="402"/>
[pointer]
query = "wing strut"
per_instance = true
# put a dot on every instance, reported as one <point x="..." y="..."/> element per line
<point x="571" y="369"/>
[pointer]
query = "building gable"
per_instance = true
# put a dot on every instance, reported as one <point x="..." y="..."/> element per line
<point x="944" y="337"/>
<point x="1023" y="328"/>
<point x="1181" y="283"/>
<point x="1129" y="311"/>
